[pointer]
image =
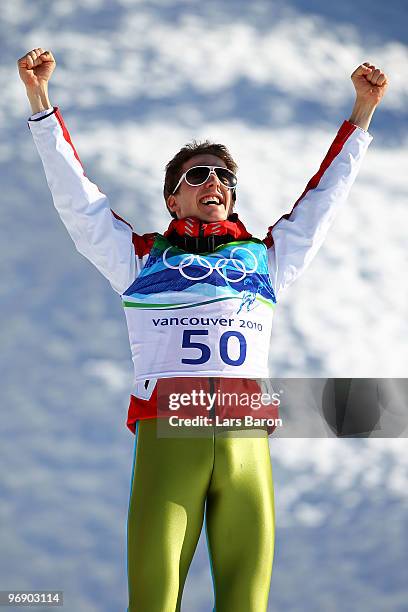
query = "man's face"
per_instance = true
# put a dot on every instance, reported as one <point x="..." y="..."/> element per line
<point x="186" y="202"/>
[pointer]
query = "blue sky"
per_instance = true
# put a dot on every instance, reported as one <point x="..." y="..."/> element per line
<point x="135" y="81"/>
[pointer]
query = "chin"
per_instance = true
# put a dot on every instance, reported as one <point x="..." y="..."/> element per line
<point x="214" y="215"/>
<point x="214" y="218"/>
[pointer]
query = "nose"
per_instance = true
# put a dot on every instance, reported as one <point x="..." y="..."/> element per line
<point x="213" y="179"/>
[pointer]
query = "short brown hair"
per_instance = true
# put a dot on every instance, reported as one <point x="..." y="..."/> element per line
<point x="174" y="166"/>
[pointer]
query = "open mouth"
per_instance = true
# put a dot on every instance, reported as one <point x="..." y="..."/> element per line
<point x="211" y="201"/>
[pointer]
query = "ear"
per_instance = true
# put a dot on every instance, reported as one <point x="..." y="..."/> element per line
<point x="172" y="206"/>
<point x="171" y="203"/>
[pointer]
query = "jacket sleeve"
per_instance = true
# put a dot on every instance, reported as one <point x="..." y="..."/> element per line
<point x="98" y="233"/>
<point x="296" y="237"/>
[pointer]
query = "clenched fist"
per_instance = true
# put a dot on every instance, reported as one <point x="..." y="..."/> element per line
<point x="35" y="68"/>
<point x="370" y="83"/>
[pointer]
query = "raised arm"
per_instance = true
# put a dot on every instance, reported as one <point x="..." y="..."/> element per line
<point x="98" y="233"/>
<point x="370" y="84"/>
<point x="296" y="237"/>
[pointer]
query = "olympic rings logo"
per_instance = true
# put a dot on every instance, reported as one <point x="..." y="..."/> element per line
<point x="219" y="266"/>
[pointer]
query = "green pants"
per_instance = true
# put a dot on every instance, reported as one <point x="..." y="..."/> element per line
<point x="176" y="480"/>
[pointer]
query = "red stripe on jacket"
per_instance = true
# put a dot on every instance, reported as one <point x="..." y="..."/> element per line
<point x="342" y="136"/>
<point x="66" y="134"/>
<point x="142" y="244"/>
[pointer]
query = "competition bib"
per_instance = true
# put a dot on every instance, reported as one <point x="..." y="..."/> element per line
<point x="201" y="314"/>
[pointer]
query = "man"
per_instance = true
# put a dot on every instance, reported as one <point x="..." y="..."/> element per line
<point x="183" y="294"/>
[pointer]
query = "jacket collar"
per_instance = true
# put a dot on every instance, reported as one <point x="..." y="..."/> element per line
<point x="191" y="226"/>
<point x="196" y="236"/>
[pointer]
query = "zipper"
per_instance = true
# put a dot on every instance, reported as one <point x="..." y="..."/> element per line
<point x="200" y="235"/>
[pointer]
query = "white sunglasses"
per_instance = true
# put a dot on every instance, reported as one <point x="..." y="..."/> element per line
<point x="198" y="175"/>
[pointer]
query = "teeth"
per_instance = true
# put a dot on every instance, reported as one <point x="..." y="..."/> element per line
<point x="210" y="199"/>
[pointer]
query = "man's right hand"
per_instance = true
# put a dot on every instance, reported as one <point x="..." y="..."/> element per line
<point x="35" y="69"/>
